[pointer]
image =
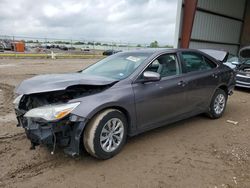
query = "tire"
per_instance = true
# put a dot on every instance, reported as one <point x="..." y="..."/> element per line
<point x="218" y="104"/>
<point x="105" y="134"/>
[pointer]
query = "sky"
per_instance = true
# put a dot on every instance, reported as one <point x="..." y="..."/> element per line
<point x="134" y="21"/>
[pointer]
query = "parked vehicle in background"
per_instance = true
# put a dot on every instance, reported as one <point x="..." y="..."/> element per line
<point x="243" y="69"/>
<point x="233" y="61"/>
<point x="86" y="50"/>
<point x="71" y="48"/>
<point x="6" y="43"/>
<point x="227" y="59"/>
<point x="219" y="55"/>
<point x="121" y="95"/>
<point x="62" y="47"/>
<point x="1" y="48"/>
<point x="110" y="52"/>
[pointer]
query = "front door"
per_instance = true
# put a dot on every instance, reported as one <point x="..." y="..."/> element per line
<point x="158" y="101"/>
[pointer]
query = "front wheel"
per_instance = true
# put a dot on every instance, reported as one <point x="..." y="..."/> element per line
<point x="218" y="104"/>
<point x="106" y="133"/>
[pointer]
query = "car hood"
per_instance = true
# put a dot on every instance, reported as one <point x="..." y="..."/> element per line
<point x="55" y="82"/>
<point x="244" y="53"/>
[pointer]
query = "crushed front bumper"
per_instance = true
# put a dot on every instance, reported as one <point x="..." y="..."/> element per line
<point x="65" y="133"/>
<point x="242" y="80"/>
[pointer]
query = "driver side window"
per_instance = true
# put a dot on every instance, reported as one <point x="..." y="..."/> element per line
<point x="166" y="65"/>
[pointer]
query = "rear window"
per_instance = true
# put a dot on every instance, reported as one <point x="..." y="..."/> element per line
<point x="196" y="62"/>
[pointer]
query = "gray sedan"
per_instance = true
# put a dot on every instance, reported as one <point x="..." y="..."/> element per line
<point x="122" y="95"/>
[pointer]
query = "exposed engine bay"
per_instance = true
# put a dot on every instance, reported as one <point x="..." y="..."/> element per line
<point x="243" y="75"/>
<point x="64" y="132"/>
<point x="56" y="97"/>
<point x="246" y="70"/>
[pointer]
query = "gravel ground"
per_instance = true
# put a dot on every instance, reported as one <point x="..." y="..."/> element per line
<point x="197" y="152"/>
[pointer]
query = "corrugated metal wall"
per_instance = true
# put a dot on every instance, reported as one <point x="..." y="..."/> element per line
<point x="233" y="8"/>
<point x="233" y="49"/>
<point x="215" y="28"/>
<point x="218" y="24"/>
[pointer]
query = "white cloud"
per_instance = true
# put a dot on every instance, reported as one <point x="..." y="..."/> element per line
<point x="138" y="21"/>
<point x="50" y="11"/>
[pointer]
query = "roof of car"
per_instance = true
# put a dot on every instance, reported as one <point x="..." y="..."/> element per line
<point x="153" y="50"/>
<point x="215" y="54"/>
<point x="160" y="50"/>
<point x="149" y="50"/>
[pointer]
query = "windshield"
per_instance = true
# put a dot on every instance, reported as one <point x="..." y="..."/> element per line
<point x="118" y="66"/>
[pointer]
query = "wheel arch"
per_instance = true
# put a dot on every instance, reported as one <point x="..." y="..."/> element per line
<point x="92" y="132"/>
<point x="224" y="88"/>
<point x="211" y="112"/>
<point x="126" y="113"/>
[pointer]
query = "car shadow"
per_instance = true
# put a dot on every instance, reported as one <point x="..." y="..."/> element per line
<point x="153" y="134"/>
<point x="143" y="139"/>
<point x="188" y="122"/>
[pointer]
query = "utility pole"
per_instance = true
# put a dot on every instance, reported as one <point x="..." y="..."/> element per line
<point x="14" y="45"/>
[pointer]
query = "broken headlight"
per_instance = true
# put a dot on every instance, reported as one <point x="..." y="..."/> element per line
<point x="52" y="112"/>
<point x="17" y="101"/>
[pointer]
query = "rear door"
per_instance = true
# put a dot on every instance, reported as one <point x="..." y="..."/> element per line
<point x="201" y="75"/>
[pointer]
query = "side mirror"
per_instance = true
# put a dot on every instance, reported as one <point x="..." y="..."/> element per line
<point x="149" y="76"/>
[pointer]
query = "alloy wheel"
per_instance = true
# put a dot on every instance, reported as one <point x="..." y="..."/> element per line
<point x="219" y="104"/>
<point x="112" y="135"/>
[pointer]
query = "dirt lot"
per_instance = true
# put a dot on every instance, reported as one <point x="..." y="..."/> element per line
<point x="197" y="152"/>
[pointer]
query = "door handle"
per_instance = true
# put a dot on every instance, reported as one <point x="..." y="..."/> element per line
<point x="181" y="83"/>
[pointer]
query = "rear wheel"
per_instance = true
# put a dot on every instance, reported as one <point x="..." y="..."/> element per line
<point x="218" y="104"/>
<point x="106" y="133"/>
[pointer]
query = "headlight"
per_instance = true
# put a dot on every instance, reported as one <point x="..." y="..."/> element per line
<point x="52" y="112"/>
<point x="17" y="101"/>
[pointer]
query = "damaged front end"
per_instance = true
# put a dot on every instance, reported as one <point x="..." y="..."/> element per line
<point x="47" y="118"/>
<point x="243" y="76"/>
<point x="243" y="70"/>
<point x="63" y="133"/>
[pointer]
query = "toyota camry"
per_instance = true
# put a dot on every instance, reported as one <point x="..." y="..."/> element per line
<point x="122" y="95"/>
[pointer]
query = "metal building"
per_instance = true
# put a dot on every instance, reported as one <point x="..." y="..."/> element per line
<point x="216" y="24"/>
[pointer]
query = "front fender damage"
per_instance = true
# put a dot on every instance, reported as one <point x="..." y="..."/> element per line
<point x="66" y="132"/>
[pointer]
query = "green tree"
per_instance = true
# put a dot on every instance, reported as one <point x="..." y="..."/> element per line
<point x="79" y="43"/>
<point x="29" y="41"/>
<point x="90" y="43"/>
<point x="98" y="44"/>
<point x="154" y="44"/>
